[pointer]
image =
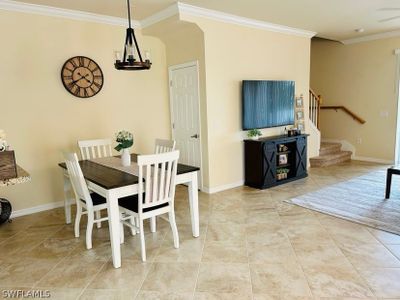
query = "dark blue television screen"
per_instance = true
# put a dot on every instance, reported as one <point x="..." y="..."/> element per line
<point x="267" y="103"/>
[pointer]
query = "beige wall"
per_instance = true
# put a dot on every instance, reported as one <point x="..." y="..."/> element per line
<point x="362" y="78"/>
<point x="234" y="53"/>
<point x="184" y="42"/>
<point x="42" y="119"/>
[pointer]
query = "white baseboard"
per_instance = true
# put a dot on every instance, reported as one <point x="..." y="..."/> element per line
<point x="222" y="187"/>
<point x="373" y="159"/>
<point x="36" y="209"/>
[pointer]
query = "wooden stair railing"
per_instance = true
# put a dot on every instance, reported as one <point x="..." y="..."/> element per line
<point x="314" y="107"/>
<point x="347" y="111"/>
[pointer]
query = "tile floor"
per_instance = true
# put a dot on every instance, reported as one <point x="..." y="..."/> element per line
<point x="252" y="246"/>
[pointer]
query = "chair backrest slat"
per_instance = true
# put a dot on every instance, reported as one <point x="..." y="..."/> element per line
<point x="162" y="146"/>
<point x="159" y="178"/>
<point x="91" y="149"/>
<point x="76" y="178"/>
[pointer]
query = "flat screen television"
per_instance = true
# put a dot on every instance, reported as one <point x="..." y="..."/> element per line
<point x="267" y="103"/>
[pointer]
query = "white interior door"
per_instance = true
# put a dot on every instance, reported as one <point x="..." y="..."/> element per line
<point x="185" y="113"/>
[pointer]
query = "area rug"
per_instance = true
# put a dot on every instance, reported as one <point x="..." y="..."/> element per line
<point x="359" y="200"/>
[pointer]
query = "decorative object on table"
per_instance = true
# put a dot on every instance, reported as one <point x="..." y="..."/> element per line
<point x="125" y="141"/>
<point x="128" y="61"/>
<point x="8" y="166"/>
<point x="3" y="142"/>
<point x="299" y="111"/>
<point x="5" y="210"/>
<point x="82" y="77"/>
<point x="293" y="132"/>
<point x="282" y="148"/>
<point x="254" y="134"/>
<point x="5" y="206"/>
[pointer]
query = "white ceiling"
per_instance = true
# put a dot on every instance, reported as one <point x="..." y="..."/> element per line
<point x="333" y="19"/>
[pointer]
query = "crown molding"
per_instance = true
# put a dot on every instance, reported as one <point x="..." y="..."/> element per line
<point x="160" y="16"/>
<point x="372" y="37"/>
<point x="234" y="19"/>
<point x="64" y="13"/>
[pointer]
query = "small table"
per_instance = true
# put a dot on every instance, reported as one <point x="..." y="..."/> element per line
<point x="22" y="177"/>
<point x="113" y="184"/>
<point x="392" y="170"/>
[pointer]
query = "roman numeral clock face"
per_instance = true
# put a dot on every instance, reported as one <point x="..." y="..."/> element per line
<point x="82" y="77"/>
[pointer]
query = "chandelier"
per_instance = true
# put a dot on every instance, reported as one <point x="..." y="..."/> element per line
<point x="128" y="61"/>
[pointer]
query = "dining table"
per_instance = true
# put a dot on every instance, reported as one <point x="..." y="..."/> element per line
<point x="114" y="183"/>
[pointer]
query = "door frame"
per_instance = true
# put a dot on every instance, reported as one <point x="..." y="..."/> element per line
<point x="172" y="68"/>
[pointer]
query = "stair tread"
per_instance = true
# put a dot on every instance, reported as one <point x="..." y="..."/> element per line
<point x="330" y="145"/>
<point x="332" y="155"/>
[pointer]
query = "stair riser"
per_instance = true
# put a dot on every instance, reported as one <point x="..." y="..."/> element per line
<point x="325" y="163"/>
<point x="330" y="150"/>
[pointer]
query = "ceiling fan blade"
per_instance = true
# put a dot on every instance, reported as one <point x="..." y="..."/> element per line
<point x="389" y="19"/>
<point x="388" y="8"/>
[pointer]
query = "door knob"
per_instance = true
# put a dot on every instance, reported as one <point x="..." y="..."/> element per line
<point x="195" y="136"/>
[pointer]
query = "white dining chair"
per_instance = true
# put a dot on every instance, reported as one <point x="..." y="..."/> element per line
<point x="156" y="194"/>
<point x="162" y="146"/>
<point x="86" y="202"/>
<point x="91" y="149"/>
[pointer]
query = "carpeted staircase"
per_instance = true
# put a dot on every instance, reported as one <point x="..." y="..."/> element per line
<point x="330" y="154"/>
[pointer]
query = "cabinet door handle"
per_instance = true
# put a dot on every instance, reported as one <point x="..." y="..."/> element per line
<point x="195" y="136"/>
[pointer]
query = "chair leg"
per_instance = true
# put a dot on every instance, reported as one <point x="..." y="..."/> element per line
<point x="98" y="216"/>
<point x="89" y="229"/>
<point x="142" y="242"/>
<point x="122" y="230"/>
<point x="153" y="224"/>
<point x="78" y="219"/>
<point x="132" y="220"/>
<point x="172" y="222"/>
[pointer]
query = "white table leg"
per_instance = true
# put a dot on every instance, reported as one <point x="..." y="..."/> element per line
<point x="114" y="225"/>
<point x="194" y="204"/>
<point x="67" y="202"/>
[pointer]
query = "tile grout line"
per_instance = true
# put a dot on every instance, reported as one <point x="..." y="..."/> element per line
<point x="90" y="281"/>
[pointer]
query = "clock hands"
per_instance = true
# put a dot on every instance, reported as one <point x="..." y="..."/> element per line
<point x="82" y="77"/>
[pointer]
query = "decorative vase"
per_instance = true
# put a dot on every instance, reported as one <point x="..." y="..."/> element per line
<point x="254" y="138"/>
<point x="126" y="157"/>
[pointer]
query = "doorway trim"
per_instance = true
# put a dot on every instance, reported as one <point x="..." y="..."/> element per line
<point x="172" y="68"/>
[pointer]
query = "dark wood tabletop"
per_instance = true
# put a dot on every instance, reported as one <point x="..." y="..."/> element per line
<point x="110" y="178"/>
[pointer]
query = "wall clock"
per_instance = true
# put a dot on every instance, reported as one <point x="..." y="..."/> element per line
<point x="82" y="77"/>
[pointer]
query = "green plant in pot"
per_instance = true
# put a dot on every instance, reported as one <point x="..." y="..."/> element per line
<point x="254" y="134"/>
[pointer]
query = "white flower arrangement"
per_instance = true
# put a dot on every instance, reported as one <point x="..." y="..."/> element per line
<point x="3" y="142"/>
<point x="124" y="139"/>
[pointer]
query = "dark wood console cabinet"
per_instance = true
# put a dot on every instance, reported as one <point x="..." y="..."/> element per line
<point x="267" y="160"/>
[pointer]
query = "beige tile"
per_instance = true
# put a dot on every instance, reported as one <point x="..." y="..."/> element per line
<point x="266" y="234"/>
<point x="226" y="251"/>
<point x="188" y="251"/>
<point x="224" y="278"/>
<point x="284" y="280"/>
<point x="221" y="296"/>
<point x="307" y="232"/>
<point x="171" y="277"/>
<point x="131" y="274"/>
<point x="120" y="294"/>
<point x="19" y="246"/>
<point x="370" y="255"/>
<point x="277" y="253"/>
<point x="383" y="281"/>
<point x="151" y="295"/>
<point x="101" y="251"/>
<point x="224" y="232"/>
<point x="71" y="273"/>
<point x="272" y="297"/>
<point x="310" y="253"/>
<point x="21" y="271"/>
<point x="262" y="216"/>
<point x="64" y="294"/>
<point x="336" y="280"/>
<point x="237" y="216"/>
<point x="54" y="248"/>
